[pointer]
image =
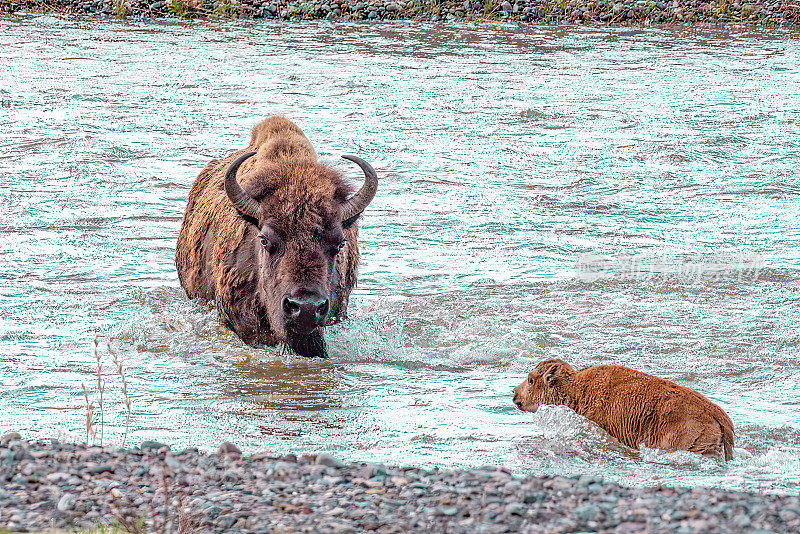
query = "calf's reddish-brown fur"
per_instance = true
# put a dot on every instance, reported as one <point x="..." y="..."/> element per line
<point x="226" y="257"/>
<point x="634" y="407"/>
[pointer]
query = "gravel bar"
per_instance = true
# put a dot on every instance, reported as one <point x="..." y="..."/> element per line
<point x="47" y="484"/>
<point x="771" y="13"/>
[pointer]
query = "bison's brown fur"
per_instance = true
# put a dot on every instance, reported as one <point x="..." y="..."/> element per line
<point x="220" y="256"/>
<point x="634" y="407"/>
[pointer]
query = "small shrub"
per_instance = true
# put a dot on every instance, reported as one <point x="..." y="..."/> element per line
<point x="228" y="9"/>
<point x="188" y="8"/>
<point x="121" y="9"/>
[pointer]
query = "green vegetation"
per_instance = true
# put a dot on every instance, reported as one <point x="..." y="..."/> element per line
<point x="123" y="526"/>
<point x="117" y="527"/>
<point x="489" y="6"/>
<point x="121" y="9"/>
<point x="189" y="8"/>
<point x="228" y="9"/>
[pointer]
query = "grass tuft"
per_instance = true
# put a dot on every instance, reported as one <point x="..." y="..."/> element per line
<point x="97" y="404"/>
<point x="121" y="9"/>
<point x="228" y="9"/>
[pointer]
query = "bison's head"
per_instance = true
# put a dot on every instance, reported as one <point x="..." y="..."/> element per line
<point x="300" y="213"/>
<point x="544" y="385"/>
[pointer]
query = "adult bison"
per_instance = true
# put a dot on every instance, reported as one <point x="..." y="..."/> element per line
<point x="270" y="235"/>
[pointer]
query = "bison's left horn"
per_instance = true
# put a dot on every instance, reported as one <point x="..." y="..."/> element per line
<point x="244" y="203"/>
<point x="358" y="202"/>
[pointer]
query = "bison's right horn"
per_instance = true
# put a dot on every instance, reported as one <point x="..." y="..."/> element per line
<point x="244" y="203"/>
<point x="358" y="202"/>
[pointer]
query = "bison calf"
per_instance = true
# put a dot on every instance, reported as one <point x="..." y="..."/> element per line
<point x="270" y="235"/>
<point x="634" y="407"/>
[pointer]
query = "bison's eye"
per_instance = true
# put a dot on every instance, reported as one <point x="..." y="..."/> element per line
<point x="530" y="380"/>
<point x="334" y="250"/>
<point x="272" y="246"/>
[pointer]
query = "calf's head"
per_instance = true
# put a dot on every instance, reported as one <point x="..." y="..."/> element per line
<point x="299" y="212"/>
<point x="544" y="385"/>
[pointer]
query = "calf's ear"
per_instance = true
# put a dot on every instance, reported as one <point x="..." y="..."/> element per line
<point x="552" y="374"/>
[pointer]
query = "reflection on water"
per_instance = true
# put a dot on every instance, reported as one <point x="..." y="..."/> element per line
<point x="601" y="196"/>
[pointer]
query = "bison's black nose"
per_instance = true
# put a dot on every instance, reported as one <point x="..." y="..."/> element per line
<point x="305" y="311"/>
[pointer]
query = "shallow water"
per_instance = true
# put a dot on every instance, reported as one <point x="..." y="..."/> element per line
<point x="601" y="196"/>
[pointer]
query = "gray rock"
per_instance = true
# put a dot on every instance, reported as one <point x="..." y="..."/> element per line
<point x="225" y="522"/>
<point x="100" y="468"/>
<point x="212" y="511"/>
<point x="58" y="476"/>
<point x="8" y="437"/>
<point x="172" y="461"/>
<point x="534" y="497"/>
<point x="516" y="508"/>
<point x="366" y="471"/>
<point x="230" y="449"/>
<point x="64" y="503"/>
<point x="328" y="460"/>
<point x="631" y="527"/>
<point x="154" y="446"/>
<point x="586" y="512"/>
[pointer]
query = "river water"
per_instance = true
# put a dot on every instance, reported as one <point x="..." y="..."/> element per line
<point x="602" y="196"/>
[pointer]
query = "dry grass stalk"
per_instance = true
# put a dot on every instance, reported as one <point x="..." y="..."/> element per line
<point x="91" y="421"/>
<point x="187" y="521"/>
<point x="100" y="385"/>
<point x="175" y="515"/>
<point x="90" y="431"/>
<point x="126" y="400"/>
<point x="167" y="524"/>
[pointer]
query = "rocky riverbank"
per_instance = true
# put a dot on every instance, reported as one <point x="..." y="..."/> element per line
<point x="774" y="13"/>
<point x="52" y="484"/>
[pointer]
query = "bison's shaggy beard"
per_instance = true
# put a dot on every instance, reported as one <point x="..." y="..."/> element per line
<point x="309" y="345"/>
<point x="256" y="331"/>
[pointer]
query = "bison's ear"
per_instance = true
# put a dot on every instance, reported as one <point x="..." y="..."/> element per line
<point x="347" y="223"/>
<point x="552" y="374"/>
